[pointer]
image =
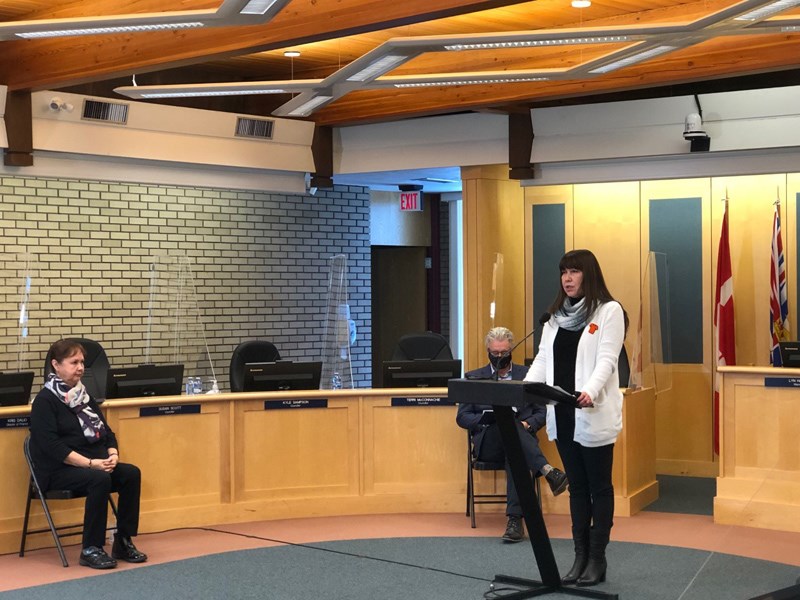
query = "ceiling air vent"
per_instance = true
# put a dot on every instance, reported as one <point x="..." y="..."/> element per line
<point x="254" y="128"/>
<point x="108" y="112"/>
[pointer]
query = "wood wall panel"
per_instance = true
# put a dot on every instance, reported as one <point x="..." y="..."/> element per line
<point x="684" y="409"/>
<point x="493" y="209"/>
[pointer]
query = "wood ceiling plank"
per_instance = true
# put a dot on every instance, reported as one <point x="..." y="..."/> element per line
<point x="41" y="64"/>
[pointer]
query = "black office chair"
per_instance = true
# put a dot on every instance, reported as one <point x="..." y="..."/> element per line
<point x="624" y="368"/>
<point x="96" y="367"/>
<point x="250" y="352"/>
<point x="422" y="346"/>
<point x="473" y="464"/>
<point x="35" y="492"/>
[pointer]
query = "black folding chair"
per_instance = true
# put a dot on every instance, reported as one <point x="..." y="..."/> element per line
<point x="474" y="464"/>
<point x="35" y="491"/>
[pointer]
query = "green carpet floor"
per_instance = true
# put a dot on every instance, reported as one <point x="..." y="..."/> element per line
<point x="432" y="568"/>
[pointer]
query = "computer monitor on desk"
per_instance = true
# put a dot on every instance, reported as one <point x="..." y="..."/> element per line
<point x="420" y="373"/>
<point x="15" y="388"/>
<point x="281" y="376"/>
<point x="144" y="380"/>
<point x="790" y="354"/>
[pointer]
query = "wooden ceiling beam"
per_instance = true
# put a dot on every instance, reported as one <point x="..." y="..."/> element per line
<point x="714" y="59"/>
<point x="59" y="62"/>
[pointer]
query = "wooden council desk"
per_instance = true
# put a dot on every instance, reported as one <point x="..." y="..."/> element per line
<point x="759" y="476"/>
<point x="256" y="456"/>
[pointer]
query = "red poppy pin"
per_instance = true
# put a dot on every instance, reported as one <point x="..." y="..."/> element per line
<point x="593" y="327"/>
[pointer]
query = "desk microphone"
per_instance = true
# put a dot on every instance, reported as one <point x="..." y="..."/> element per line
<point x="542" y="320"/>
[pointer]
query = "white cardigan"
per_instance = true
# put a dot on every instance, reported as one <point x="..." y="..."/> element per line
<point x="595" y="373"/>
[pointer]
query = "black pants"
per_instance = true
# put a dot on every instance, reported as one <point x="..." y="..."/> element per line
<point x="97" y="485"/>
<point x="591" y="493"/>
<point x="492" y="450"/>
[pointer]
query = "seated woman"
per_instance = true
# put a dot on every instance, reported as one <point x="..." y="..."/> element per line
<point x="73" y="448"/>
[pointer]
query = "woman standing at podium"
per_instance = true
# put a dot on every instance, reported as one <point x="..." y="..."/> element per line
<point x="578" y="352"/>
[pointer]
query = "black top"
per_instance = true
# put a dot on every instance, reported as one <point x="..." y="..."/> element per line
<point x="565" y="353"/>
<point x="56" y="431"/>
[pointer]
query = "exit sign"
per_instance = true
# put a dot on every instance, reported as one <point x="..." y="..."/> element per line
<point x="410" y="201"/>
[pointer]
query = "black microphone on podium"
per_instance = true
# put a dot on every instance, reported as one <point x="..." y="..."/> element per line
<point x="507" y="355"/>
<point x="542" y="320"/>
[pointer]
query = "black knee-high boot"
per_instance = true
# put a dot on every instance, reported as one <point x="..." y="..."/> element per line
<point x="595" y="571"/>
<point x="581" y="541"/>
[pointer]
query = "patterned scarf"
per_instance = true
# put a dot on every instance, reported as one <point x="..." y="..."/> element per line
<point x="572" y="316"/>
<point x="77" y="399"/>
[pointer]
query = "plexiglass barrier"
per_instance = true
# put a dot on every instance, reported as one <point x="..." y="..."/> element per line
<point x="175" y="330"/>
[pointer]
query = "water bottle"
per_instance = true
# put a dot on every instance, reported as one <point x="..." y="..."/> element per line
<point x="189" y="386"/>
<point x="336" y="381"/>
<point x="198" y="385"/>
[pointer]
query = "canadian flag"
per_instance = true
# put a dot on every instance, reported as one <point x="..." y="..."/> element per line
<point x="724" y="330"/>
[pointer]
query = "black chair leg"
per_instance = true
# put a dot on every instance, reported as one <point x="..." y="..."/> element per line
<point x="54" y="531"/>
<point x="25" y="523"/>
<point x="471" y="497"/>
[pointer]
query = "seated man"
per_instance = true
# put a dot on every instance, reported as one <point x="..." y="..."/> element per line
<point x="487" y="444"/>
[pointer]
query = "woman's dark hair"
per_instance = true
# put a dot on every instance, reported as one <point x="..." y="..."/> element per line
<point x="593" y="286"/>
<point x="64" y="349"/>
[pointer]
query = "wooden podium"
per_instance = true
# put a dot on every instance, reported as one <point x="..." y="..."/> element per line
<point x="503" y="396"/>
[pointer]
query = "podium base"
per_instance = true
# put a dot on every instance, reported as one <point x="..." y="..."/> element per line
<point x="537" y="588"/>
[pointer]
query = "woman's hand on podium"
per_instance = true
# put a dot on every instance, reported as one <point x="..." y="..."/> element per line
<point x="585" y="401"/>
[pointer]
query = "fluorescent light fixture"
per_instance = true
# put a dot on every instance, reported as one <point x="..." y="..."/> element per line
<point x="291" y="53"/>
<point x="766" y="11"/>
<point x="378" y="67"/>
<point x="469" y="82"/>
<point x="633" y="58"/>
<point x="604" y="39"/>
<point x="198" y="94"/>
<point x="111" y="29"/>
<point x="307" y="108"/>
<point x="581" y="3"/>
<point x="257" y="7"/>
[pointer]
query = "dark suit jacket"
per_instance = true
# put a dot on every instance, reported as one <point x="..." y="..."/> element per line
<point x="469" y="414"/>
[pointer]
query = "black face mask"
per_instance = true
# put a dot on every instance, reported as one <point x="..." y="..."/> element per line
<point x="500" y="362"/>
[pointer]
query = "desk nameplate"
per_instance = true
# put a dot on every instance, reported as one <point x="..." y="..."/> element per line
<point x="174" y="409"/>
<point x="790" y="382"/>
<point x="296" y="403"/>
<point x="14" y="422"/>
<point x="422" y="401"/>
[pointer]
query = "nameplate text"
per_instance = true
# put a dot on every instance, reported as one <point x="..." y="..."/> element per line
<point x="423" y="401"/>
<point x="172" y="409"/>
<point x="296" y="403"/>
<point x="12" y="422"/>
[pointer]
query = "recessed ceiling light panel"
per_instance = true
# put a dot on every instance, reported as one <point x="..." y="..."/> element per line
<point x="601" y="39"/>
<point x="412" y="84"/>
<point x="111" y="29"/>
<point x="257" y="7"/>
<point x="766" y="11"/>
<point x="197" y="94"/>
<point x="633" y="58"/>
<point x="379" y="67"/>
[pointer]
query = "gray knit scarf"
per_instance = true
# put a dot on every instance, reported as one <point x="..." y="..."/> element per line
<point x="572" y="316"/>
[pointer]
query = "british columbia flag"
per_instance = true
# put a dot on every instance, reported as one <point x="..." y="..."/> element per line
<point x="778" y="303"/>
